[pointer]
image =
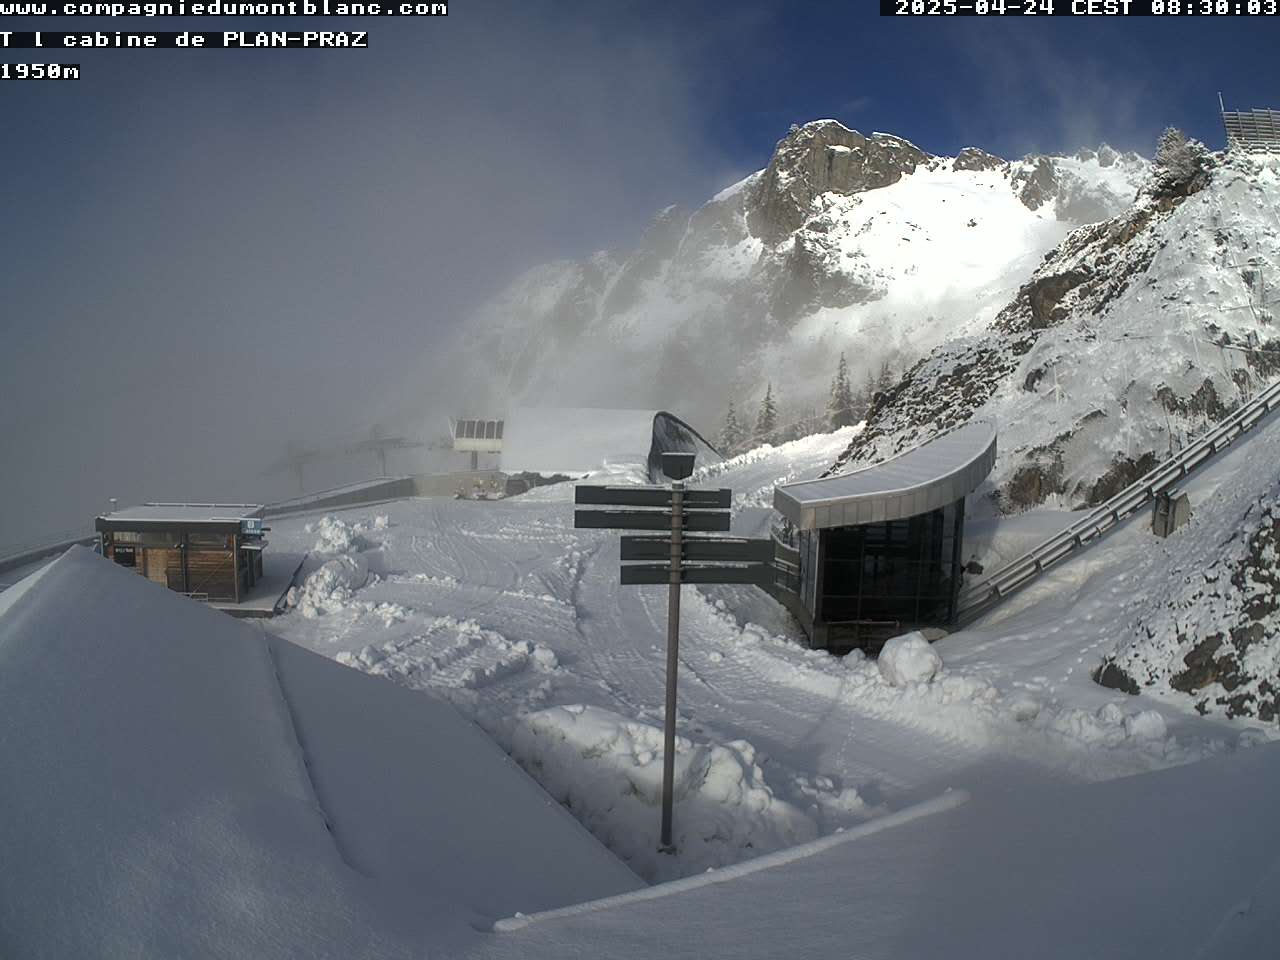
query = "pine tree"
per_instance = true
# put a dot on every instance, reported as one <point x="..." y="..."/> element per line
<point x="1180" y="164"/>
<point x="885" y="378"/>
<point x="865" y="396"/>
<point x="767" y="419"/>
<point x="731" y="433"/>
<point x="840" y="412"/>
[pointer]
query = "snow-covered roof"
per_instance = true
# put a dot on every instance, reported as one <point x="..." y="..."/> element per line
<point x="188" y="512"/>
<point x="924" y="478"/>
<point x="581" y="440"/>
<point x="177" y="783"/>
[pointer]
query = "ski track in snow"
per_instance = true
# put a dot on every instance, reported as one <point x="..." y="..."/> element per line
<point x="508" y="611"/>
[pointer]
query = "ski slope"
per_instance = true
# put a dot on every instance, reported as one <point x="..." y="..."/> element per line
<point x="518" y="619"/>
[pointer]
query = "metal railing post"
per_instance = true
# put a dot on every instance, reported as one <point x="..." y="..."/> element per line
<point x="673" y="662"/>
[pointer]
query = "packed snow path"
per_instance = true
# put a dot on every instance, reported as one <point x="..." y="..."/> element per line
<point x="519" y="619"/>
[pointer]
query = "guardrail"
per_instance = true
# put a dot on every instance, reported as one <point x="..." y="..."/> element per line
<point x="74" y="534"/>
<point x="982" y="596"/>
<point x="14" y="560"/>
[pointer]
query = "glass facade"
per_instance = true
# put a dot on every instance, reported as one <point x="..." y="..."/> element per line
<point x="900" y="572"/>
<point x="478" y="430"/>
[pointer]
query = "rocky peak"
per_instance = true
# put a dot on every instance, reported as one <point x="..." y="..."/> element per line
<point x="1035" y="181"/>
<point x="820" y="157"/>
<point x="971" y="158"/>
<point x="1090" y="186"/>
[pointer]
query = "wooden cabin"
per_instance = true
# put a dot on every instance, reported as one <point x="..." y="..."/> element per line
<point x="207" y="551"/>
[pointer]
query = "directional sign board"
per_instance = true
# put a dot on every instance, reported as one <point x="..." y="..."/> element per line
<point x="642" y="573"/>
<point x="726" y="549"/>
<point x="675" y="511"/>
<point x="651" y="497"/>
<point x="705" y="521"/>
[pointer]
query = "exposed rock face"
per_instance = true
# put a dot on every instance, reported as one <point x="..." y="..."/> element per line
<point x="803" y="279"/>
<point x="657" y="247"/>
<point x="820" y="157"/>
<point x="1057" y="182"/>
<point x="1045" y="292"/>
<point x="1036" y="182"/>
<point x="971" y="158"/>
<point x="1214" y="634"/>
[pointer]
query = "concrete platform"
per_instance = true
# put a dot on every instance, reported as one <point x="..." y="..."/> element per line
<point x="267" y="596"/>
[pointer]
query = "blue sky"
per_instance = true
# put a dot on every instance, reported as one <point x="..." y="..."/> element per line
<point x="211" y="251"/>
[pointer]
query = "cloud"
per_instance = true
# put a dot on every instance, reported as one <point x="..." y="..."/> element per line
<point x="218" y="254"/>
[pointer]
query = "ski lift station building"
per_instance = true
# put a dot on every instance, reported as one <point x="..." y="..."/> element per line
<point x="575" y="441"/>
<point x="207" y="551"/>
<point x="878" y="551"/>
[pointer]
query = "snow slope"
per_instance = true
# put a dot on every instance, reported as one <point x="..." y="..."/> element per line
<point x="1183" y="863"/>
<point x="518" y="619"/>
<point x="177" y="784"/>
<point x="1203" y="624"/>
<point x="318" y="779"/>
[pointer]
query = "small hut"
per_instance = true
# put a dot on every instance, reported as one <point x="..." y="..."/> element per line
<point x="207" y="551"/>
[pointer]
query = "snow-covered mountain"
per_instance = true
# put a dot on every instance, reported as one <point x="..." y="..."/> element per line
<point x="1129" y="338"/>
<point x="843" y="242"/>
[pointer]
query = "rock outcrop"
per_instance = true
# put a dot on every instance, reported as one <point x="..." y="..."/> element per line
<point x="821" y="157"/>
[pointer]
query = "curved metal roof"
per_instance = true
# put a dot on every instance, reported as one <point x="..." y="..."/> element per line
<point x="932" y="475"/>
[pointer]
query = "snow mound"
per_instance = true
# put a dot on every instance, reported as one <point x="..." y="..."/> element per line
<point x="335" y="535"/>
<point x="343" y="570"/>
<point x="964" y="707"/>
<point x="331" y="587"/>
<point x="608" y="771"/>
<point x="909" y="658"/>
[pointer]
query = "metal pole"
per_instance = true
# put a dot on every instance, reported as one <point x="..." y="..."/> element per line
<point x="673" y="660"/>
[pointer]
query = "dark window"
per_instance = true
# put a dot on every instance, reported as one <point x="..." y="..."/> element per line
<point x="490" y="429"/>
<point x="900" y="571"/>
<point x="126" y="556"/>
<point x="498" y="434"/>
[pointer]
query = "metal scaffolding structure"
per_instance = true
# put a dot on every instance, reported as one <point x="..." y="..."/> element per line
<point x="1253" y="131"/>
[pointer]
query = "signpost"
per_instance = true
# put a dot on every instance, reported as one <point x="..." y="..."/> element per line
<point x="683" y="560"/>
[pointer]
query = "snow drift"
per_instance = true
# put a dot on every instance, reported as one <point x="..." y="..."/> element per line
<point x="608" y="770"/>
